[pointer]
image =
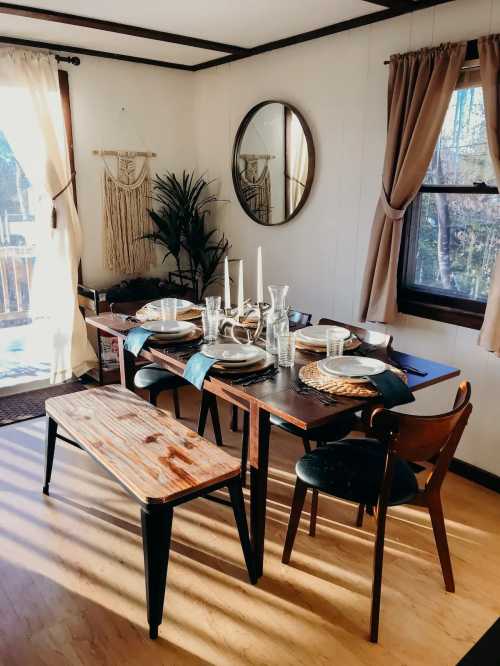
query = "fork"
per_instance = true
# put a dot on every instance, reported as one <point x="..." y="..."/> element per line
<point x="302" y="389"/>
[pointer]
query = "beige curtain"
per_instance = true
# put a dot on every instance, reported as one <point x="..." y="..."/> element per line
<point x="489" y="58"/>
<point x="31" y="117"/>
<point x="420" y="88"/>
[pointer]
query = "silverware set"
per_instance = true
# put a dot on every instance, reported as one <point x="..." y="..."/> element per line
<point x="256" y="377"/>
<point x="302" y="389"/>
<point x="368" y="349"/>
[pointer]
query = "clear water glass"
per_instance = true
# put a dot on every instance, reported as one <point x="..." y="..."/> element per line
<point x="286" y="350"/>
<point x="210" y="321"/>
<point x="334" y="343"/>
<point x="213" y="302"/>
<point x="168" y="309"/>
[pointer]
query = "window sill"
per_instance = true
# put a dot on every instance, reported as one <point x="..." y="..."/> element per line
<point x="443" y="313"/>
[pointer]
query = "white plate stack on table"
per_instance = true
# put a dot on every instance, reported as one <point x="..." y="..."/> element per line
<point x="172" y="331"/>
<point x="186" y="311"/>
<point x="313" y="338"/>
<point x="233" y="358"/>
<point x="352" y="369"/>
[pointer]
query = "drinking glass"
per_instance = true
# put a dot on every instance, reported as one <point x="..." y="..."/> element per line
<point x="334" y="343"/>
<point x="168" y="309"/>
<point x="210" y="322"/>
<point x="213" y="302"/>
<point x="286" y="350"/>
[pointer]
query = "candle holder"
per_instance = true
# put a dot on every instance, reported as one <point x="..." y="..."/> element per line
<point x="234" y="321"/>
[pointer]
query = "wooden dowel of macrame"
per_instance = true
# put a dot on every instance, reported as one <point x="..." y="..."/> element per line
<point x="123" y="153"/>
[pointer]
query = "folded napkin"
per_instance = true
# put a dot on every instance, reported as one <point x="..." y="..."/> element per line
<point x="196" y="369"/>
<point x="135" y="340"/>
<point x="392" y="389"/>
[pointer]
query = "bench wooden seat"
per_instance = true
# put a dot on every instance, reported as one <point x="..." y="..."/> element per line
<point x="158" y="460"/>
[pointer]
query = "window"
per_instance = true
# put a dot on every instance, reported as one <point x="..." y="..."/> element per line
<point x="452" y="229"/>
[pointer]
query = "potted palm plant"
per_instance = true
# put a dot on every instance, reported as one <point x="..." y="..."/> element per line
<point x="181" y="230"/>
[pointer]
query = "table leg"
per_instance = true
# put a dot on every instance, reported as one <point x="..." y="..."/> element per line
<point x="259" y="462"/>
<point x="127" y="366"/>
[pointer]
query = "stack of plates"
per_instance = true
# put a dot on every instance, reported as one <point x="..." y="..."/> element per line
<point x="232" y="356"/>
<point x="166" y="331"/>
<point x="185" y="311"/>
<point x="353" y="369"/>
<point x="314" y="337"/>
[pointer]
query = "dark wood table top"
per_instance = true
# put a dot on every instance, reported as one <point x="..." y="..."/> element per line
<point x="277" y="395"/>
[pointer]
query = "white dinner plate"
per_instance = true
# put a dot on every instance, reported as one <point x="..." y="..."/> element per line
<point x="182" y="306"/>
<point x="232" y="352"/>
<point x="169" y="327"/>
<point x="317" y="334"/>
<point x="352" y="366"/>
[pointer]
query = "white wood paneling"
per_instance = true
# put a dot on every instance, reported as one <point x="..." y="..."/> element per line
<point x="340" y="84"/>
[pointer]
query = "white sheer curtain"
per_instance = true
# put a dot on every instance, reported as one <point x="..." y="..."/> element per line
<point x="31" y="118"/>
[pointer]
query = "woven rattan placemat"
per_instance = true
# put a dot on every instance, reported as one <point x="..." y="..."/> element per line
<point x="311" y="375"/>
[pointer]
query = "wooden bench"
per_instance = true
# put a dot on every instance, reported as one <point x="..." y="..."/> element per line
<point x="158" y="461"/>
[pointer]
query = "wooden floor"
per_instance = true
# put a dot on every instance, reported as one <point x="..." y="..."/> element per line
<point x="72" y="588"/>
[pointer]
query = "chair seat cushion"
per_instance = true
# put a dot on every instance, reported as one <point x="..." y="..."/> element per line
<point x="353" y="469"/>
<point x="153" y="376"/>
<point x="337" y="428"/>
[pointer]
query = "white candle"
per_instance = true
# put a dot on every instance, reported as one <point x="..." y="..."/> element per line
<point x="227" y="286"/>
<point x="240" y="289"/>
<point x="260" y="288"/>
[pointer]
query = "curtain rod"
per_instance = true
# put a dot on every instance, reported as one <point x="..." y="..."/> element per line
<point x="472" y="52"/>
<point x="73" y="60"/>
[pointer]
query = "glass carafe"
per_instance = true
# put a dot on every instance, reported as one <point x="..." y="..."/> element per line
<point x="277" y="319"/>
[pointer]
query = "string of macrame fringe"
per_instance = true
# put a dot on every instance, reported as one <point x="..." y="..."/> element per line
<point x="126" y="219"/>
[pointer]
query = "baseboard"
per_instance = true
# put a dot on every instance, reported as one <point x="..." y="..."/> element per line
<point x="476" y="474"/>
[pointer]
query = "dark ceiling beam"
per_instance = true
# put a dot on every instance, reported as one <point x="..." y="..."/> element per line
<point x="90" y="52"/>
<point x="342" y="26"/>
<point x="111" y="26"/>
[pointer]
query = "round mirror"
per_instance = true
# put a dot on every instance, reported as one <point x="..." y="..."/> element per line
<point x="273" y="162"/>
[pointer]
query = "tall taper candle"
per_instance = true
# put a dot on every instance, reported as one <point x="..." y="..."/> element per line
<point x="227" y="286"/>
<point x="240" y="289"/>
<point x="260" y="287"/>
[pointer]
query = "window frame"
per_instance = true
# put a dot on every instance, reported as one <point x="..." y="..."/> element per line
<point x="421" y="301"/>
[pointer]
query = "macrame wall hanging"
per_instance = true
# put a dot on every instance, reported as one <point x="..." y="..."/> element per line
<point x="256" y="187"/>
<point x="126" y="199"/>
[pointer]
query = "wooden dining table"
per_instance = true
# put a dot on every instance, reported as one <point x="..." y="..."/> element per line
<point x="277" y="395"/>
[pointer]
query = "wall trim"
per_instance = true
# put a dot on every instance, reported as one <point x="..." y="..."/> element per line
<point x="480" y="476"/>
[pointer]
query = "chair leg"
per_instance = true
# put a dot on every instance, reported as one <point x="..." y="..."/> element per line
<point x="438" y="526"/>
<point x="153" y="398"/>
<point x="234" y="418"/>
<point x="50" y="445"/>
<point x="177" y="404"/>
<point x="377" y="573"/>
<point x="240" y="517"/>
<point x="307" y="445"/>
<point x="244" y="448"/>
<point x="156" y="532"/>
<point x="204" y="408"/>
<point x="214" y="413"/>
<point x="299" y="497"/>
<point x="360" y="516"/>
<point x="314" y="512"/>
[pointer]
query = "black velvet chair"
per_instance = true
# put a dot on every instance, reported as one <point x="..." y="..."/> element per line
<point x="154" y="379"/>
<point x="378" y="472"/>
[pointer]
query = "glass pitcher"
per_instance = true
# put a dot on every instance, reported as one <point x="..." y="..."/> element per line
<point x="277" y="319"/>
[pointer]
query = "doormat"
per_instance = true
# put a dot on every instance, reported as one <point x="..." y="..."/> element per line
<point x="31" y="405"/>
<point x="486" y="652"/>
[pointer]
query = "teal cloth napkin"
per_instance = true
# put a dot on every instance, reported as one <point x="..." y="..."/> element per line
<point x="196" y="369"/>
<point x="392" y="389"/>
<point x="135" y="340"/>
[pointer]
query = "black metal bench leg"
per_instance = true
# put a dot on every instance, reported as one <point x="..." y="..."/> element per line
<point x="240" y="517"/>
<point x="50" y="445"/>
<point x="214" y="413"/>
<point x="177" y="404"/>
<point x="209" y="404"/>
<point x="202" y="419"/>
<point x="234" y="418"/>
<point x="156" y="531"/>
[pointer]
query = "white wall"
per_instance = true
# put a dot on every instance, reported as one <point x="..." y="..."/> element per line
<point x="124" y="106"/>
<point x="339" y="83"/>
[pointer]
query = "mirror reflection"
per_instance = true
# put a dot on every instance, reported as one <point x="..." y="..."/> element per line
<point x="273" y="163"/>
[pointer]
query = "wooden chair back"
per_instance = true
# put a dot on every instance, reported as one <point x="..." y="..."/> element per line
<point x="425" y="438"/>
<point x="299" y="319"/>
<point x="372" y="338"/>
